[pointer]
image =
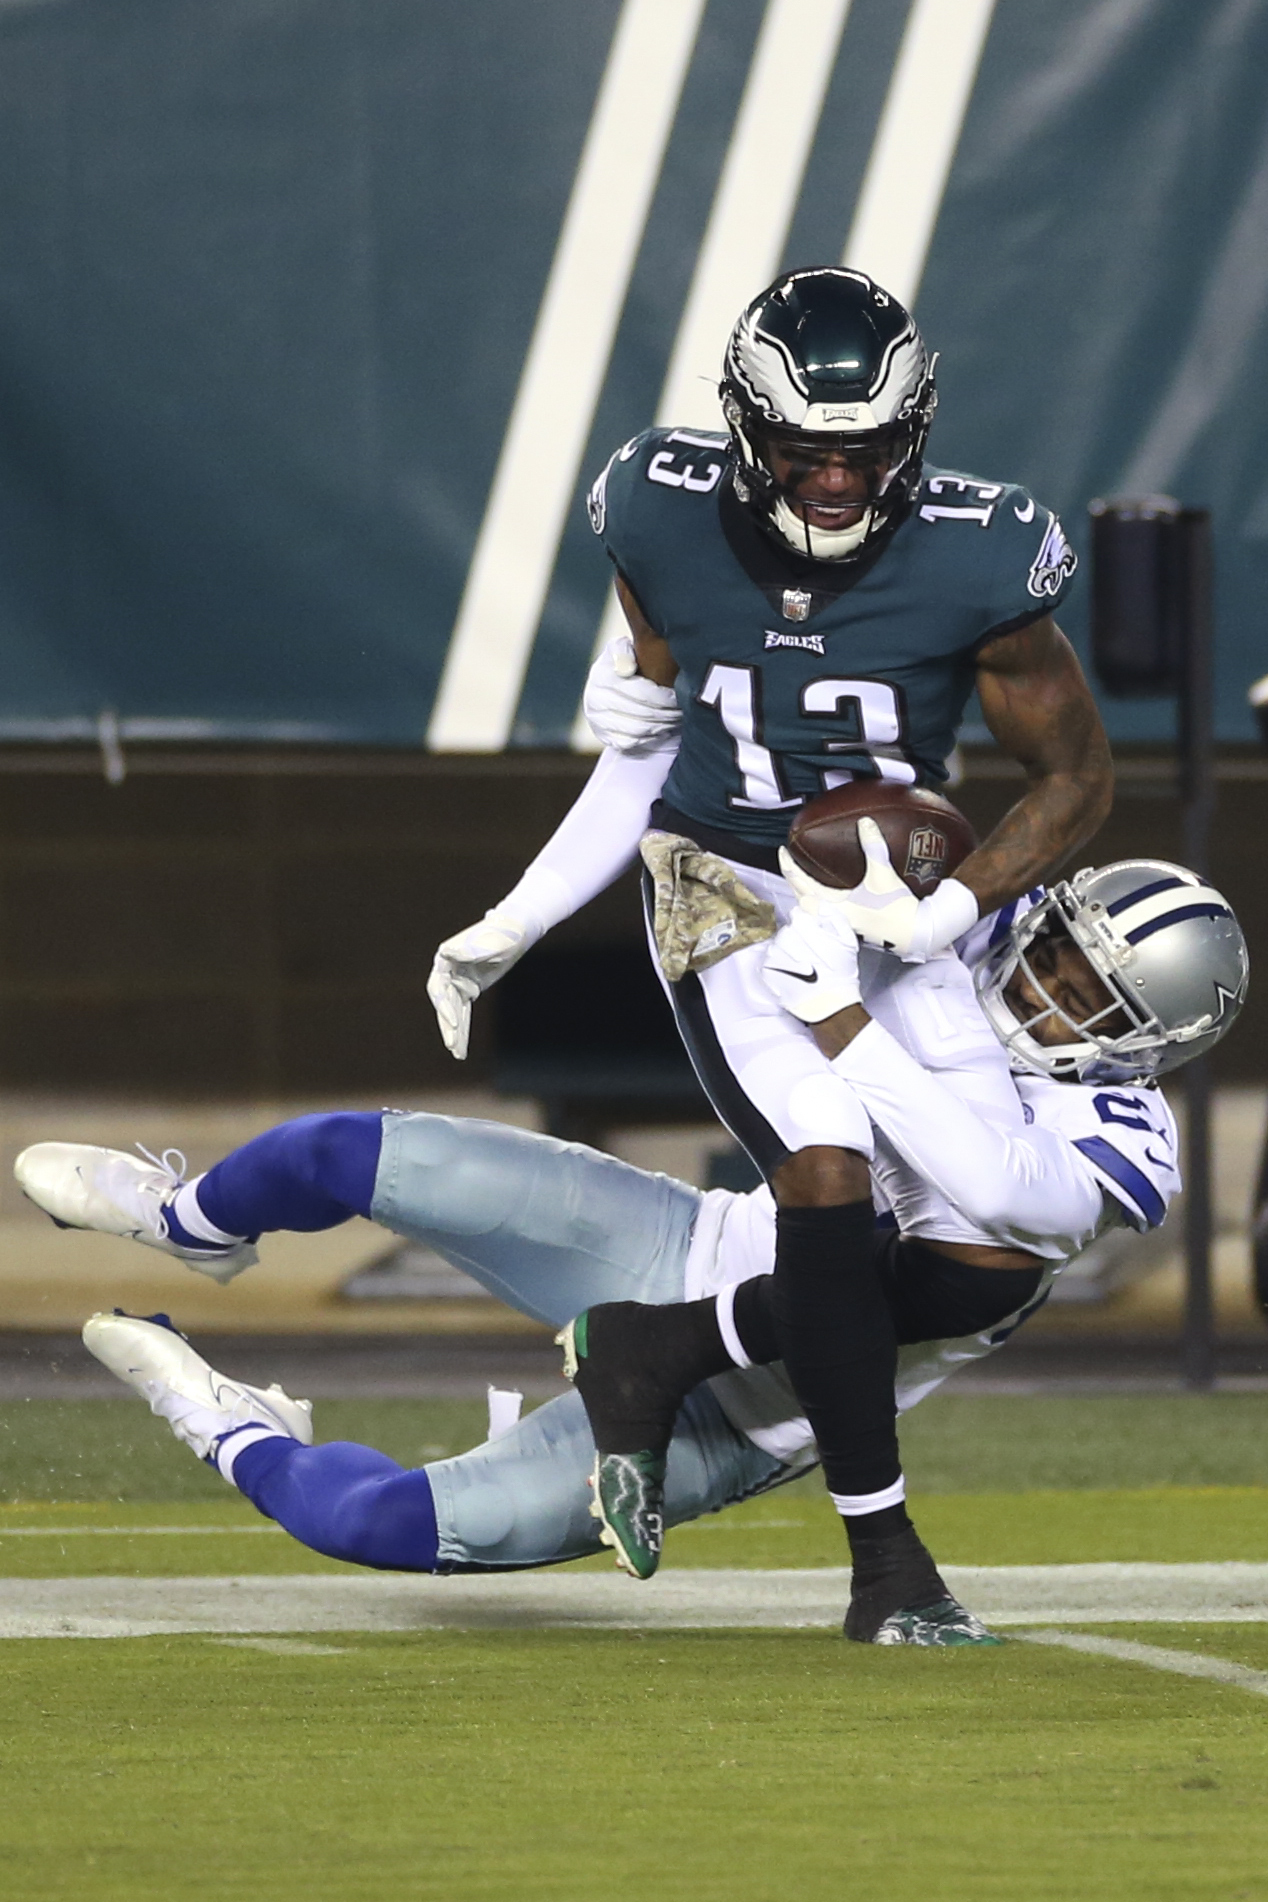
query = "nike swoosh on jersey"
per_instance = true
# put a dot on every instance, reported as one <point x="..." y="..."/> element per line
<point x="1028" y="513"/>
<point x="802" y="977"/>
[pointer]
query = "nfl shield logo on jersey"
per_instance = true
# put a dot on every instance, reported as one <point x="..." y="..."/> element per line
<point x="796" y="604"/>
<point x="927" y="855"/>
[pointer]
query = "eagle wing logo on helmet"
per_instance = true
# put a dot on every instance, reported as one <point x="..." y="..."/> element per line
<point x="1053" y="565"/>
<point x="824" y="363"/>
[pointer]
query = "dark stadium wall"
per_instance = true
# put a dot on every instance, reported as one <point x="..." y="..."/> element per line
<point x="315" y="318"/>
<point x="268" y="934"/>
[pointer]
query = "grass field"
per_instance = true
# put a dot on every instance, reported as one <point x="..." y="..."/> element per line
<point x="745" y="1766"/>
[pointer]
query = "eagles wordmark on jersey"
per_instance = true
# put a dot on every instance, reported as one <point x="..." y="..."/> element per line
<point x="798" y="675"/>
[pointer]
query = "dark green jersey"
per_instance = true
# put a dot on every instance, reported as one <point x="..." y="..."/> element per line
<point x="798" y="675"/>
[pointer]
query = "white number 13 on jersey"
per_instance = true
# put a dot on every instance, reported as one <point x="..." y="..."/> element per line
<point x="872" y="706"/>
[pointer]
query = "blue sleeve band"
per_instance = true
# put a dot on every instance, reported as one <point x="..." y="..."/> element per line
<point x="1003" y="924"/>
<point x="1132" y="1186"/>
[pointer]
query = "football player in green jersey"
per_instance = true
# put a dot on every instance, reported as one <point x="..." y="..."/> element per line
<point x="810" y="603"/>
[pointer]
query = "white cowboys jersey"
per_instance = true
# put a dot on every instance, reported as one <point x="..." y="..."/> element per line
<point x="966" y="1152"/>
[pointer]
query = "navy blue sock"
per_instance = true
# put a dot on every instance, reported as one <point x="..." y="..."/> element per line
<point x="308" y="1174"/>
<point x="344" y="1500"/>
<point x="178" y="1233"/>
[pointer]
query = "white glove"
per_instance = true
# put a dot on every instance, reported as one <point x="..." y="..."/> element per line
<point x="812" y="966"/>
<point x="466" y="964"/>
<point x="626" y="710"/>
<point x="882" y="911"/>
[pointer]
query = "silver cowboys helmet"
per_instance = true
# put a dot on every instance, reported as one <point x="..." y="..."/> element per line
<point x="1165" y="945"/>
<point x="826" y="359"/>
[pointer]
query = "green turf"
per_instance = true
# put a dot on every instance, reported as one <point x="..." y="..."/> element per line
<point x="994" y="1481"/>
<point x="113" y="1449"/>
<point x="684" y="1767"/>
<point x="675" y="1767"/>
<point x="1164" y="1524"/>
<point x="1002" y="1443"/>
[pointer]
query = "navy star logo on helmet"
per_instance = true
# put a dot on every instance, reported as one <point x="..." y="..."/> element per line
<point x="1165" y="945"/>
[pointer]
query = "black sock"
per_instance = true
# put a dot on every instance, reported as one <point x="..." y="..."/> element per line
<point x="836" y="1338"/>
<point x="889" y="1574"/>
<point x="754" y="1321"/>
<point x="639" y="1366"/>
<point x="862" y="1526"/>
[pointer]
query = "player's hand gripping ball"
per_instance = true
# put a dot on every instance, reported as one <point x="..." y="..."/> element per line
<point x="927" y="836"/>
<point x="882" y="856"/>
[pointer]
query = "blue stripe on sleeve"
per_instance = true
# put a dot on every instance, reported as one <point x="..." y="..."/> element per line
<point x="1002" y="925"/>
<point x="1144" y="1199"/>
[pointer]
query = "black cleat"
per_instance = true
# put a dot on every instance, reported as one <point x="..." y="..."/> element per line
<point x="898" y="1596"/>
<point x="945" y="1622"/>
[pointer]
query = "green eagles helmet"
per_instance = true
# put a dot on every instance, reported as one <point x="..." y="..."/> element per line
<point x="827" y="360"/>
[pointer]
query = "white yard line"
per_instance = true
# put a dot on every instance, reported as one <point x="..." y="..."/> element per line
<point x="132" y="1532"/>
<point x="284" y="1647"/>
<point x="1156" y="1657"/>
<point x="677" y="1599"/>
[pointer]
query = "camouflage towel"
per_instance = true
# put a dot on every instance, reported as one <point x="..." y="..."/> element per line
<point x="704" y="911"/>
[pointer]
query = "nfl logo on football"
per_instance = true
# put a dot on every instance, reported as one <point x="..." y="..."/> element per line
<point x="927" y="855"/>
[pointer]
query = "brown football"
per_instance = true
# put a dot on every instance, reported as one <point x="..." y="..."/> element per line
<point x="927" y="836"/>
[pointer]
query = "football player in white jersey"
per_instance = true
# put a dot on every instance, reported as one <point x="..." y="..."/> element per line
<point x="1095" y="989"/>
<point x="992" y="1181"/>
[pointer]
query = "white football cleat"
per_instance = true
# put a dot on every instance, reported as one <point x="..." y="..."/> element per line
<point x="203" y="1408"/>
<point x="82" y="1186"/>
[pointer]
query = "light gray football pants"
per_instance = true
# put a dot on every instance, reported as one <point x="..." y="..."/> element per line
<point x="551" y="1228"/>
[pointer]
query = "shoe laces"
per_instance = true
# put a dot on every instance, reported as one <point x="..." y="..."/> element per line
<point x="172" y="1164"/>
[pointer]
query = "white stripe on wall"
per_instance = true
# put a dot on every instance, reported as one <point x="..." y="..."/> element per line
<point x="752" y="210"/>
<point x="915" y="142"/>
<point x="756" y="197"/>
<point x="562" y="376"/>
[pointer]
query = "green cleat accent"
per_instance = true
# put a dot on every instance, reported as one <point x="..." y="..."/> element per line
<point x="945" y="1622"/>
<point x="629" y="1499"/>
<point x="629" y="1486"/>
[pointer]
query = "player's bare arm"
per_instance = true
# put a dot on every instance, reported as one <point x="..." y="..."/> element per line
<point x="651" y="649"/>
<point x="1039" y="708"/>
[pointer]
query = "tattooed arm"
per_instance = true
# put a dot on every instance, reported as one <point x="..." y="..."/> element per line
<point x="1040" y="709"/>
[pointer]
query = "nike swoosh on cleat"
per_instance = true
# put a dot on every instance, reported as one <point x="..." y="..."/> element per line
<point x="802" y="977"/>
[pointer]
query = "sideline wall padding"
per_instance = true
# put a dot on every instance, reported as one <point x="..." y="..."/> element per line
<point x="270" y="269"/>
